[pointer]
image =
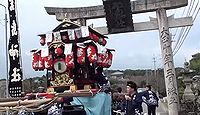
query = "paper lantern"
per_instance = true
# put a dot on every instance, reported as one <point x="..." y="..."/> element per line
<point x="92" y="53"/>
<point x="81" y="54"/>
<point x="58" y="51"/>
<point x="41" y="63"/>
<point x="69" y="61"/>
<point x="35" y="61"/>
<point x="48" y="62"/>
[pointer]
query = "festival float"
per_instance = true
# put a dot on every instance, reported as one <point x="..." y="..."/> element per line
<point x="75" y="57"/>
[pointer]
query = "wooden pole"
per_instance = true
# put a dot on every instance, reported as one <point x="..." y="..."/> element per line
<point x="25" y="102"/>
<point x="11" y="99"/>
<point x="167" y="56"/>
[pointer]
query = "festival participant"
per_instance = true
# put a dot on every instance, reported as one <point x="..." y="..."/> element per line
<point x="118" y="102"/>
<point x="133" y="100"/>
<point x="151" y="100"/>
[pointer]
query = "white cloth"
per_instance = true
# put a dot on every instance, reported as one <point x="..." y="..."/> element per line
<point x="84" y="31"/>
<point x="49" y="37"/>
<point x="68" y="49"/>
<point x="44" y="52"/>
<point x="71" y="34"/>
<point x="57" y="36"/>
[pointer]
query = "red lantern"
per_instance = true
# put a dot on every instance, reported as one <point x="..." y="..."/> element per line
<point x="41" y="63"/>
<point x="92" y="53"/>
<point x="48" y="62"/>
<point x="109" y="59"/>
<point x="35" y="61"/>
<point x="81" y="54"/>
<point x="58" y="51"/>
<point x="69" y="61"/>
<point x="42" y="41"/>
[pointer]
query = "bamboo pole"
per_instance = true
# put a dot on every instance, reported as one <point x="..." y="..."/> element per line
<point x="75" y="94"/>
<point x="11" y="99"/>
<point x="24" y="102"/>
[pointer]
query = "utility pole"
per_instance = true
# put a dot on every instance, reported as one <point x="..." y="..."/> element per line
<point x="167" y="56"/>
<point x="147" y="76"/>
<point x="6" y="42"/>
<point x="155" y="73"/>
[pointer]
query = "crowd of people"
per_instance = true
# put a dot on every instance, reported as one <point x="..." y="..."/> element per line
<point x="131" y="102"/>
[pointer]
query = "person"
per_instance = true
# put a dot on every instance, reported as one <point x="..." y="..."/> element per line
<point x="151" y="99"/>
<point x="133" y="100"/>
<point x="119" y="90"/>
<point x="118" y="102"/>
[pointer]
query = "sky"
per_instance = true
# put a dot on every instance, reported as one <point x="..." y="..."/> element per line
<point x="134" y="50"/>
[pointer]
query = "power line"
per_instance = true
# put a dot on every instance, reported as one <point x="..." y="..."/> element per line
<point x="181" y="43"/>
<point x="190" y="7"/>
<point x="195" y="7"/>
<point x="185" y="35"/>
<point x="184" y="31"/>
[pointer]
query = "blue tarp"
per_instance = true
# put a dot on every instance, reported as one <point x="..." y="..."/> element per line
<point x="100" y="104"/>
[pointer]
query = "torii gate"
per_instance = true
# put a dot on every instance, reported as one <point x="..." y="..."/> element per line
<point x="163" y="23"/>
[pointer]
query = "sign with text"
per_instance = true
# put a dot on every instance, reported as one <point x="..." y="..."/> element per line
<point x="118" y="16"/>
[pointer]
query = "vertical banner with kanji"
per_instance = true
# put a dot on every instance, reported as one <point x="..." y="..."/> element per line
<point x="15" y="72"/>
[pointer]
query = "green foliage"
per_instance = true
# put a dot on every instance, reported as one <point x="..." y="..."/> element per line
<point x="32" y="84"/>
<point x="114" y="81"/>
<point x="195" y="62"/>
<point x="134" y="72"/>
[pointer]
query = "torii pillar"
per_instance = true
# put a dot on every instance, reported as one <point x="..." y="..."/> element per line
<point x="167" y="56"/>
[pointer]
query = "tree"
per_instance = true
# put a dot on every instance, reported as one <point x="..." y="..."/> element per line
<point x="195" y="62"/>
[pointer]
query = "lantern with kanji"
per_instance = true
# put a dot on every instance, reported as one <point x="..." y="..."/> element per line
<point x="81" y="54"/>
<point x="92" y="53"/>
<point x="41" y="63"/>
<point x="69" y="61"/>
<point x="58" y="51"/>
<point x="48" y="62"/>
<point x="35" y="61"/>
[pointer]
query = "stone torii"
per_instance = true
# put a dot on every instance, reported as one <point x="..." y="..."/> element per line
<point x="162" y="23"/>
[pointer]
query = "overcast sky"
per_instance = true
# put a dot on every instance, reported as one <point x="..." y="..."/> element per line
<point x="134" y="50"/>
